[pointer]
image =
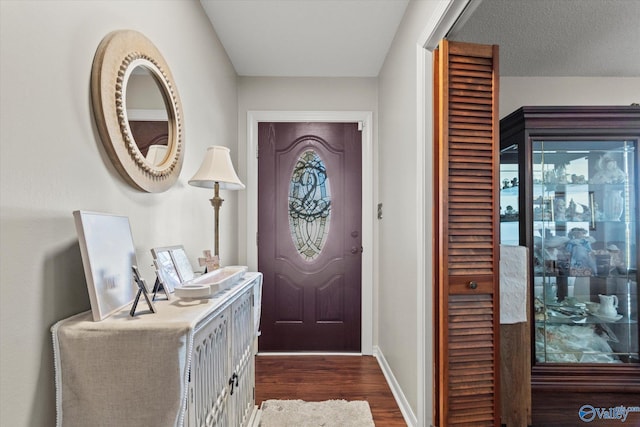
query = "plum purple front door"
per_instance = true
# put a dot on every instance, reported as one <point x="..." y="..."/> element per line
<point x="310" y="236"/>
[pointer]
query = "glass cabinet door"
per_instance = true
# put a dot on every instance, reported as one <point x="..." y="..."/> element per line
<point x="584" y="209"/>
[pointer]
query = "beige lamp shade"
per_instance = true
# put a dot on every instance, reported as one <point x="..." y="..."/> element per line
<point x="217" y="167"/>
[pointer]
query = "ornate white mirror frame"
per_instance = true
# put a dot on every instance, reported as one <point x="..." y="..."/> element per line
<point x="118" y="54"/>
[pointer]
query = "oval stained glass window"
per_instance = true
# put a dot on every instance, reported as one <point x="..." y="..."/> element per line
<point x="309" y="205"/>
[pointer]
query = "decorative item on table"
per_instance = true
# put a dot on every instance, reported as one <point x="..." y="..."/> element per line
<point x="142" y="290"/>
<point x="209" y="284"/>
<point x="579" y="246"/>
<point x="108" y="254"/>
<point x="208" y="261"/>
<point x="217" y="172"/>
<point x="173" y="266"/>
<point x="608" y="171"/>
<point x="166" y="276"/>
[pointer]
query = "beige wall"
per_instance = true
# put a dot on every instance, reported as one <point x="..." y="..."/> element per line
<point x="516" y="92"/>
<point x="52" y="162"/>
<point x="401" y="168"/>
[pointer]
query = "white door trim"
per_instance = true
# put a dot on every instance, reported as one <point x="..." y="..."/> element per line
<point x="368" y="201"/>
<point x="442" y="20"/>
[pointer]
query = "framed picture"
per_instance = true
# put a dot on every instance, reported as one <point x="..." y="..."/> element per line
<point x="182" y="263"/>
<point x="172" y="265"/>
<point x="108" y="256"/>
<point x="165" y="270"/>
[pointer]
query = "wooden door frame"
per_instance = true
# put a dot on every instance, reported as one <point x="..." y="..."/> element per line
<point x="368" y="201"/>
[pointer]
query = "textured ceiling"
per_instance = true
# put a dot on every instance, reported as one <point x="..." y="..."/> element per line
<point x="344" y="38"/>
<point x="559" y="37"/>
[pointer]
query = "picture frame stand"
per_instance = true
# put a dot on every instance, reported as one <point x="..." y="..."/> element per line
<point x="159" y="286"/>
<point x="142" y="289"/>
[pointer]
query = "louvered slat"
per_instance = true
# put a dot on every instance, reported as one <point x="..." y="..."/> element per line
<point x="467" y="235"/>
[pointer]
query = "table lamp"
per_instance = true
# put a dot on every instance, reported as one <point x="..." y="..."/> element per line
<point x="216" y="171"/>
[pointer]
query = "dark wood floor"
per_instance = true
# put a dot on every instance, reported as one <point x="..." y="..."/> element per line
<point x="318" y="378"/>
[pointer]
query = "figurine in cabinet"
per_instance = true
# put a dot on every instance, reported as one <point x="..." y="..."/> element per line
<point x="560" y="208"/>
<point x="579" y="246"/>
<point x="608" y="172"/>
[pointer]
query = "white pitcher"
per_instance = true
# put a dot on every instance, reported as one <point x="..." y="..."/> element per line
<point x="608" y="305"/>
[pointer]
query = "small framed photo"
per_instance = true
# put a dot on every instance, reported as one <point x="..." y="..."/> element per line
<point x="172" y="266"/>
<point x="166" y="272"/>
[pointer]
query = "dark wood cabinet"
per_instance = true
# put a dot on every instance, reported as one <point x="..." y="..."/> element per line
<point x="570" y="193"/>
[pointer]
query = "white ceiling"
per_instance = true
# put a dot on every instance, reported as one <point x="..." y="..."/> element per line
<point x="306" y="38"/>
<point x="350" y="38"/>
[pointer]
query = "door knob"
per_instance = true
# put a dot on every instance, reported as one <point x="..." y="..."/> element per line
<point x="355" y="250"/>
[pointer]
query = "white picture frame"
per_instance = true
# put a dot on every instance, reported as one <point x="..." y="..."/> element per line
<point x="172" y="265"/>
<point x="182" y="263"/>
<point x="108" y="255"/>
<point x="165" y="269"/>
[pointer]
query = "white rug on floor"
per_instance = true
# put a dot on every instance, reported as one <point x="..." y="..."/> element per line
<point x="330" y="413"/>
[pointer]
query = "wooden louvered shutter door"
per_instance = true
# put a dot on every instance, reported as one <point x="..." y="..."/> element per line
<point x="467" y="245"/>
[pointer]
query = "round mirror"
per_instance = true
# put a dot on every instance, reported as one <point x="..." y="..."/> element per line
<point x="137" y="110"/>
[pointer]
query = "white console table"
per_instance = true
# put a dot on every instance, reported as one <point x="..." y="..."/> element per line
<point x="189" y="364"/>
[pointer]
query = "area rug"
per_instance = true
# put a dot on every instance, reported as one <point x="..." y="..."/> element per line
<point x="330" y="413"/>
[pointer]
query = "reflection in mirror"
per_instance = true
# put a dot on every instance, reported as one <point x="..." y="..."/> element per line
<point x="147" y="114"/>
<point x="156" y="154"/>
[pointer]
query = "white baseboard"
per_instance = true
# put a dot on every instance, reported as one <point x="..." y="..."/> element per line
<point x="401" y="400"/>
<point x="256" y="415"/>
